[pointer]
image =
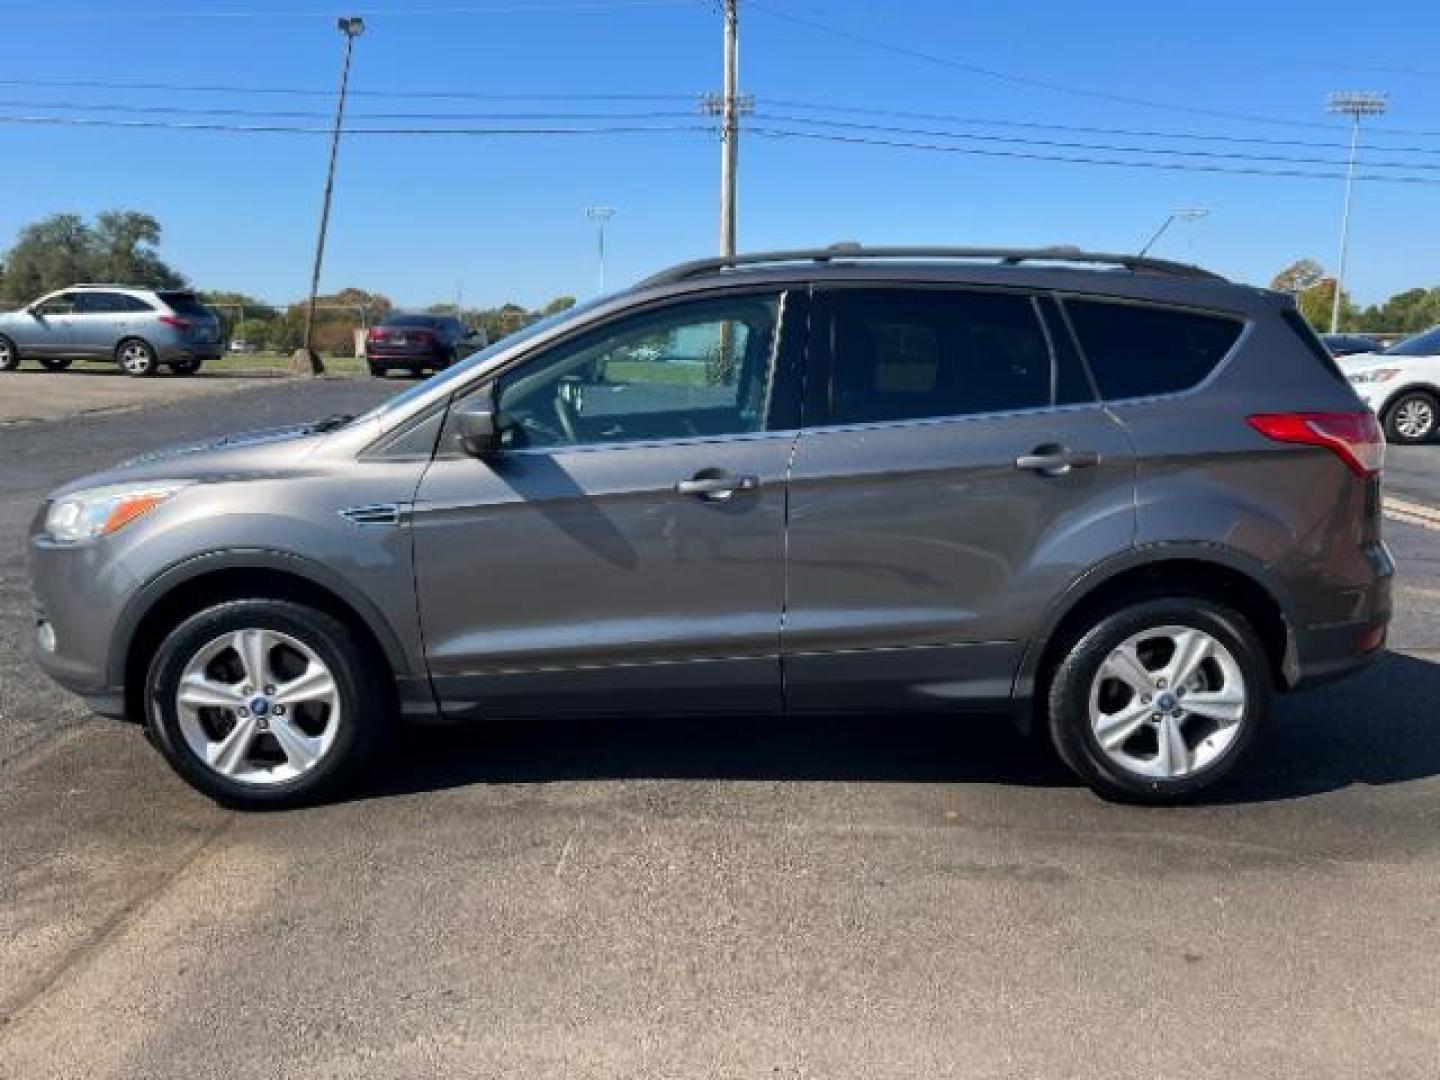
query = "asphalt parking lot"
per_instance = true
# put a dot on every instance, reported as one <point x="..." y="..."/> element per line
<point x="823" y="898"/>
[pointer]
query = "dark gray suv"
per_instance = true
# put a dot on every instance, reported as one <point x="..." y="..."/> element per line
<point x="1121" y="499"/>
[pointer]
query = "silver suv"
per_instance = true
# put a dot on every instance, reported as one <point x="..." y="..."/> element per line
<point x="141" y="330"/>
<point x="1122" y="500"/>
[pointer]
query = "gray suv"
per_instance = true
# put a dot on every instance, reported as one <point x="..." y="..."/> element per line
<point x="1122" y="500"/>
<point x="139" y="329"/>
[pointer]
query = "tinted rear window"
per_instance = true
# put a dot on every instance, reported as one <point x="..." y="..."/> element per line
<point x="1139" y="351"/>
<point x="906" y="354"/>
<point x="434" y="322"/>
<point x="184" y="303"/>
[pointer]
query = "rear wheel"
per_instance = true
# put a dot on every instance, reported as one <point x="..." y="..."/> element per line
<point x="378" y="370"/>
<point x="264" y="704"/>
<point x="1412" y="418"/>
<point x="188" y="366"/>
<point x="136" y="358"/>
<point x="54" y="363"/>
<point x="1159" y="700"/>
<point x="9" y="354"/>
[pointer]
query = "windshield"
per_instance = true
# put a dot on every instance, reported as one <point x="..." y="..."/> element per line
<point x="1426" y="344"/>
<point x="459" y="372"/>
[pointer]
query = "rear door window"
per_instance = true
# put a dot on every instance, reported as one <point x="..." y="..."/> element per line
<point x="100" y="303"/>
<point x="906" y="354"/>
<point x="1136" y="350"/>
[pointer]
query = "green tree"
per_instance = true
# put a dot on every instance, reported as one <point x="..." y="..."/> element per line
<point x="62" y="250"/>
<point x="554" y="307"/>
<point x="50" y="254"/>
<point x="1316" y="301"/>
<point x="124" y="251"/>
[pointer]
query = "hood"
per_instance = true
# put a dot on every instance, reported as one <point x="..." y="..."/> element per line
<point x="262" y="437"/>
<point x="1366" y="359"/>
<point x="247" y="455"/>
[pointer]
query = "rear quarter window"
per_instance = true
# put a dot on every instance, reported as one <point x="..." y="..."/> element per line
<point x="1135" y="350"/>
<point x="183" y="303"/>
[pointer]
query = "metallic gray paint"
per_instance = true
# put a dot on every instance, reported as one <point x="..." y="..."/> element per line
<point x="876" y="565"/>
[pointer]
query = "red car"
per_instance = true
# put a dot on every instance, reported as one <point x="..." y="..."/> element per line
<point x="418" y="343"/>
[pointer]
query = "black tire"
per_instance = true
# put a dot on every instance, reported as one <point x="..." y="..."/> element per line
<point x="1068" y="700"/>
<point x="364" y="698"/>
<point x="137" y="358"/>
<point x="379" y="371"/>
<point x="1406" y="410"/>
<point x="9" y="354"/>
<point x="187" y="367"/>
<point x="54" y="363"/>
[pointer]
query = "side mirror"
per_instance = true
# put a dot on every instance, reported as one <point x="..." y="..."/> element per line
<point x="477" y="423"/>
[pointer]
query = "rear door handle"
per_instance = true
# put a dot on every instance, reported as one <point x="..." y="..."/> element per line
<point x="716" y="488"/>
<point x="1052" y="460"/>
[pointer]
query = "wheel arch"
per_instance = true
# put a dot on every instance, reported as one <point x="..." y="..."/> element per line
<point x="1164" y="569"/>
<point x="1408" y="388"/>
<point x="209" y="579"/>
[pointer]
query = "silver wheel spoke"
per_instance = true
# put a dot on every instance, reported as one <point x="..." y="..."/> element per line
<point x="1114" y="729"/>
<point x="1222" y="705"/>
<point x="253" y="646"/>
<point x="198" y="692"/>
<point x="1191" y="649"/>
<point x="229" y="754"/>
<point x="1172" y="758"/>
<point x="1124" y="664"/>
<point x="300" y="750"/>
<point x="315" y="685"/>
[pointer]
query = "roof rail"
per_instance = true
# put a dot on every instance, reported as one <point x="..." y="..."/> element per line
<point x="1003" y="256"/>
<point x="105" y="285"/>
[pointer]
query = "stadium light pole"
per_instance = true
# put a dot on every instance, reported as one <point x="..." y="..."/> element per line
<point x="352" y="27"/>
<point x="1354" y="104"/>
<point x="599" y="215"/>
<point x="1189" y="215"/>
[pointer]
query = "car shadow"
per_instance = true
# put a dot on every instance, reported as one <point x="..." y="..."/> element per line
<point x="102" y="370"/>
<point x="1380" y="727"/>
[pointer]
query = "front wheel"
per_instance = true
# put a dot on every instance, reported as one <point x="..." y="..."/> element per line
<point x="9" y="355"/>
<point x="54" y="363"/>
<point x="1412" y="418"/>
<point x="1159" y="700"/>
<point x="265" y="704"/>
<point x="137" y="359"/>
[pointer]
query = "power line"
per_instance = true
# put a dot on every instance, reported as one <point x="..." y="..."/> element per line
<point x="295" y="129"/>
<point x="296" y="91"/>
<point x="1088" y="129"/>
<point x="315" y="114"/>
<point x="1167" y="166"/>
<point x="1067" y="144"/>
<point x="373" y="13"/>
<point x="1022" y="80"/>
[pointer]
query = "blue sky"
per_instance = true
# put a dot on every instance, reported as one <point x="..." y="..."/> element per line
<point x="502" y="217"/>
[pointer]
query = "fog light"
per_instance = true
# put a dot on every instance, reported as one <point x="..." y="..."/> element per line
<point x="45" y="635"/>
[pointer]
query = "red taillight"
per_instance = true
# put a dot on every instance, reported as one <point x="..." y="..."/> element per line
<point x="175" y="321"/>
<point x="374" y="334"/>
<point x="1354" y="436"/>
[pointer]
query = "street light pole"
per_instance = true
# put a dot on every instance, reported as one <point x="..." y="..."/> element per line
<point x="351" y="27"/>
<point x="1354" y="105"/>
<point x="600" y="215"/>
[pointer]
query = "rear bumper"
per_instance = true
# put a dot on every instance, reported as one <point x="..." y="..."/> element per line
<point x="1325" y="653"/>
<point x="428" y="358"/>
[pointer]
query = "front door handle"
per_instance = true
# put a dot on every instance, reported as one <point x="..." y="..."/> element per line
<point x="716" y="487"/>
<point x="1053" y="460"/>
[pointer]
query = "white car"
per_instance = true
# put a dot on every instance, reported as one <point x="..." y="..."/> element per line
<point x="1401" y="385"/>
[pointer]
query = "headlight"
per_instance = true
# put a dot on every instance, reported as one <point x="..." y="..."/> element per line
<point x="1384" y="374"/>
<point x="84" y="515"/>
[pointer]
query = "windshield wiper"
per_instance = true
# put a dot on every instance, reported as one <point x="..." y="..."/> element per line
<point x="331" y="423"/>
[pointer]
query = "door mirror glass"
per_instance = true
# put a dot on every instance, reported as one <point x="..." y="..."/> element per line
<point x="477" y="424"/>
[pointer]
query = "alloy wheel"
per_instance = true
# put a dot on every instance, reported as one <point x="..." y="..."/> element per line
<point x="1167" y="702"/>
<point x="1415" y="418"/>
<point x="136" y="358"/>
<point x="258" y="706"/>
